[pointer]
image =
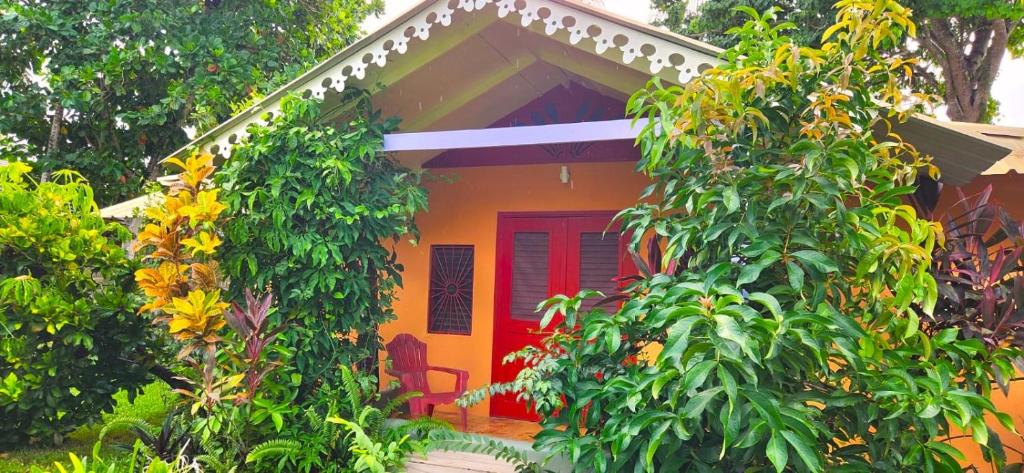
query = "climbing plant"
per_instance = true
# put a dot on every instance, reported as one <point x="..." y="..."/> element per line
<point x="315" y="211"/>
<point x="780" y="329"/>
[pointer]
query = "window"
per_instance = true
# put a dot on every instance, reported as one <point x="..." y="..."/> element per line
<point x="450" y="304"/>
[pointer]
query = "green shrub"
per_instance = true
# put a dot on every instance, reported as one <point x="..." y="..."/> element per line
<point x="313" y="210"/>
<point x="780" y="329"/>
<point x="71" y="338"/>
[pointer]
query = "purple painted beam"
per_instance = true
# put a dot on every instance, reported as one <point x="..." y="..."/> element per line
<point x="609" y="130"/>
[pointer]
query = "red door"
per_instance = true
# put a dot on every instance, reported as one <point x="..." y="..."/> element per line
<point x="540" y="255"/>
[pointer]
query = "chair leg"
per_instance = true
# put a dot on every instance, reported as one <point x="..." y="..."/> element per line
<point x="415" y="409"/>
<point x="430" y="410"/>
<point x="465" y="421"/>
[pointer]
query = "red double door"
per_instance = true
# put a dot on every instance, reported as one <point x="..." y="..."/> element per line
<point x="540" y="255"/>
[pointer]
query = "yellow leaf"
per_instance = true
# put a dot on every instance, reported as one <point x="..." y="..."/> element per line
<point x="162" y="281"/>
<point x="234" y="381"/>
<point x="205" y="209"/>
<point x="204" y="242"/>
<point x="178" y="324"/>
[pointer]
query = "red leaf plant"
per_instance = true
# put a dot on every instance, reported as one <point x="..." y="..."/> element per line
<point x="980" y="275"/>
<point x="251" y="325"/>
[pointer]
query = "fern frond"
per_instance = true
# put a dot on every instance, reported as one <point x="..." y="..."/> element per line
<point x="399" y="401"/>
<point x="212" y="463"/>
<point x="128" y="423"/>
<point x="353" y="391"/>
<point x="452" y="441"/>
<point x="207" y="443"/>
<point x="274" y="448"/>
<point x="372" y="420"/>
<point x="314" y="419"/>
<point x="421" y="426"/>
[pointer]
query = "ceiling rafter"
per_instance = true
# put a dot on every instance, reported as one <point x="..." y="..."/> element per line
<point x="477" y="86"/>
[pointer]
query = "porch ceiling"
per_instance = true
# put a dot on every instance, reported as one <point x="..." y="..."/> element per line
<point x="484" y="71"/>
<point x="488" y="65"/>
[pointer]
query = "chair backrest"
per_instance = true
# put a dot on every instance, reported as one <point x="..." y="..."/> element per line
<point x="409" y="357"/>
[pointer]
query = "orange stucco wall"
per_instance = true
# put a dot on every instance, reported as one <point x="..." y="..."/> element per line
<point x="464" y="208"/>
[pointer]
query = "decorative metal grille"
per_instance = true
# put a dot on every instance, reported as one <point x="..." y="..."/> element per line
<point x="450" y="307"/>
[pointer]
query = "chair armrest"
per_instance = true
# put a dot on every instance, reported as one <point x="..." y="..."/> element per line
<point x="461" y="377"/>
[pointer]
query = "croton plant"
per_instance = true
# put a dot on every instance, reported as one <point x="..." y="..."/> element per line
<point x="183" y="284"/>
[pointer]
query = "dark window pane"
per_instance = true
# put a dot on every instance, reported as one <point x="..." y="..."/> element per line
<point x="599" y="264"/>
<point x="529" y="274"/>
<point x="450" y="306"/>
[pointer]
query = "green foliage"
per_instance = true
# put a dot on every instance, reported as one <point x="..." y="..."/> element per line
<point x="71" y="338"/>
<point x="314" y="210"/>
<point x="963" y="39"/>
<point x="168" y="442"/>
<point x="132" y="75"/>
<point x="283" y="449"/>
<point x="781" y="328"/>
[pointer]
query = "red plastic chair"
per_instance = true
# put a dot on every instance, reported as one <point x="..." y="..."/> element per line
<point x="409" y="364"/>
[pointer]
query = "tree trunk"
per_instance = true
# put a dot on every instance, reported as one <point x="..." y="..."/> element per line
<point x="969" y="62"/>
<point x="54" y="141"/>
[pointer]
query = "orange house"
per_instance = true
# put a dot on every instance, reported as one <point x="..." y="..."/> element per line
<point x="517" y="107"/>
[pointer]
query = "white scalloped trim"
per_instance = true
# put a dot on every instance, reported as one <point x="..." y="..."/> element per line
<point x="555" y="17"/>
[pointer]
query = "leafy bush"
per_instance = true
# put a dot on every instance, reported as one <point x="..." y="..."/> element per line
<point x="71" y="338"/>
<point x="781" y="329"/>
<point x="313" y="208"/>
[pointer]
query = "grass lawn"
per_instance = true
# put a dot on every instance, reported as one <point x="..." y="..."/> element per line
<point x="152" y="404"/>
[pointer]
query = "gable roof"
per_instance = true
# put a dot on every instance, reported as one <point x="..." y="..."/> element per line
<point x="627" y="43"/>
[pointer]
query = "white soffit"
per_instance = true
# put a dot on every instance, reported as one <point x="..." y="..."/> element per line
<point x="608" y="36"/>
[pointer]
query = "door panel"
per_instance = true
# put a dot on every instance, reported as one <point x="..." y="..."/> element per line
<point x="530" y="268"/>
<point x="539" y="256"/>
<point x="594" y="256"/>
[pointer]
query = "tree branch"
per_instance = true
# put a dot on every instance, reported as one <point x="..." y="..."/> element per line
<point x="164" y="374"/>
<point x="988" y="69"/>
